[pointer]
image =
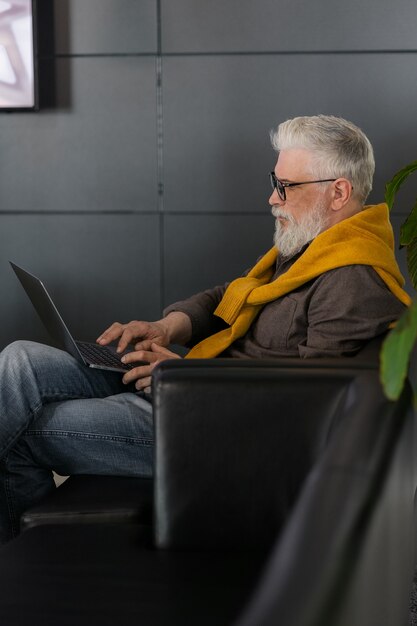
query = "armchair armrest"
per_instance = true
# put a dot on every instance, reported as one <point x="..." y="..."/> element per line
<point x="349" y="543"/>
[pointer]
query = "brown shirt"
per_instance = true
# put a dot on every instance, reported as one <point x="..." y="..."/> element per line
<point x="332" y="315"/>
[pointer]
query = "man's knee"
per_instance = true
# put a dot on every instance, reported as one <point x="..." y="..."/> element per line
<point x="22" y="357"/>
<point x="19" y="352"/>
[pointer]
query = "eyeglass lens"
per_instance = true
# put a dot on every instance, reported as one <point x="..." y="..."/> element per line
<point x="276" y="184"/>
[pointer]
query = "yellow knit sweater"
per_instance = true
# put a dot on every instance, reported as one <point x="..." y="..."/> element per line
<point x="364" y="239"/>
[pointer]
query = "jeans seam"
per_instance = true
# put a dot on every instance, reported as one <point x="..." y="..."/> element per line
<point x="57" y="433"/>
<point x="49" y="396"/>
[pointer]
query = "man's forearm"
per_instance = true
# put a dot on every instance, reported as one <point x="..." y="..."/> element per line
<point x="178" y="326"/>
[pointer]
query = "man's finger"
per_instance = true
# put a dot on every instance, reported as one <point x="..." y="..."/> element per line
<point x="143" y="345"/>
<point x="138" y="356"/>
<point x="110" y="334"/>
<point x="137" y="373"/>
<point x="144" y="384"/>
<point x="125" y="339"/>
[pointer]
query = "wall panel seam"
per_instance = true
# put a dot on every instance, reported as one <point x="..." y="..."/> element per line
<point x="286" y="52"/>
<point x="49" y="57"/>
<point x="153" y="213"/>
<point x="104" y="55"/>
<point x="160" y="154"/>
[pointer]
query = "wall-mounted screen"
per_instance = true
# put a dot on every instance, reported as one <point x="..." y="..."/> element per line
<point x="17" y="55"/>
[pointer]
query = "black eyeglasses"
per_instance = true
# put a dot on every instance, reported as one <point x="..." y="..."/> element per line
<point x="280" y="186"/>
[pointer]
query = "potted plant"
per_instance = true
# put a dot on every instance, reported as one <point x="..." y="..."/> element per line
<point x="397" y="347"/>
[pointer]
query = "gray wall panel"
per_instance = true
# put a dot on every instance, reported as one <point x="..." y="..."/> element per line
<point x="273" y="25"/>
<point x="217" y="117"/>
<point x="95" y="151"/>
<point x="212" y="250"/>
<point x="170" y="167"/>
<point x="100" y="269"/>
<point x="218" y="112"/>
<point x="102" y="27"/>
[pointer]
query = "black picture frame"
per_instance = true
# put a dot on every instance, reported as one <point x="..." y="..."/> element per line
<point x="23" y="95"/>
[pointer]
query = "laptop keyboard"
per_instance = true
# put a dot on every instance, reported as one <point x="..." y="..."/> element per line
<point x="100" y="355"/>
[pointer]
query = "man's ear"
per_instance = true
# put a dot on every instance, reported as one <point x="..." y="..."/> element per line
<point x="342" y="192"/>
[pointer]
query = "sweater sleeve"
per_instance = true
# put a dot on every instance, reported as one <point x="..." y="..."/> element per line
<point x="200" y="308"/>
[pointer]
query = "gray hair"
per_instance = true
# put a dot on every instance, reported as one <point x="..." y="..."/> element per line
<point x="340" y="149"/>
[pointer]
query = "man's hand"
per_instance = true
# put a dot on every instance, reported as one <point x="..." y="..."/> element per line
<point x="147" y="333"/>
<point x="142" y="374"/>
<point x="149" y="340"/>
<point x="174" y="328"/>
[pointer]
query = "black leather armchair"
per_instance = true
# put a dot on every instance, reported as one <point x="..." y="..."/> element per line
<point x="283" y="494"/>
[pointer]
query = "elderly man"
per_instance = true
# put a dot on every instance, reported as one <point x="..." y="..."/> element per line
<point x="329" y="285"/>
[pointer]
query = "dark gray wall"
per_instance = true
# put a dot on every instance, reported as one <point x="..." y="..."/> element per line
<point x="143" y="177"/>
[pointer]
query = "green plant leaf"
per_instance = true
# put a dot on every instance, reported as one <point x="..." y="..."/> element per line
<point x="408" y="230"/>
<point x="395" y="183"/>
<point x="412" y="261"/>
<point x="396" y="351"/>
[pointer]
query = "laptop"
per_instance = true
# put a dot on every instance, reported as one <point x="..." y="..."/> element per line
<point x="90" y="354"/>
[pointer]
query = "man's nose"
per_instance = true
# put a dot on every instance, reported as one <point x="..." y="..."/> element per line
<point x="275" y="199"/>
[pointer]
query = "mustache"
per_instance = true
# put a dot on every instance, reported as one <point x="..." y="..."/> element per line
<point x="278" y="212"/>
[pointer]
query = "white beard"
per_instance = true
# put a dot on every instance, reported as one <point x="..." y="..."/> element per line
<point x="290" y="238"/>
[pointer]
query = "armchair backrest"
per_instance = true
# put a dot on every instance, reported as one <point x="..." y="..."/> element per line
<point x="236" y="440"/>
<point x="349" y="543"/>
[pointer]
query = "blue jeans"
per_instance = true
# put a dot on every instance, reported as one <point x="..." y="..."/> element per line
<point x="56" y="414"/>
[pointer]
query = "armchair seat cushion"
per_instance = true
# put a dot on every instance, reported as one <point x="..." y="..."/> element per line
<point x="94" y="499"/>
<point x="108" y="574"/>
